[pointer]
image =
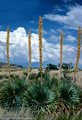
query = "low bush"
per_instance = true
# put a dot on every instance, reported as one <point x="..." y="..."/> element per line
<point x="1" y="76"/>
<point x="25" y="73"/>
<point x="35" y="76"/>
<point x="32" y="76"/>
<point x="51" y="67"/>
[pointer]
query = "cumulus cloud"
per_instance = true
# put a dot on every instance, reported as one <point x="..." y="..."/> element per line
<point x="55" y="38"/>
<point x="73" y="17"/>
<point x="70" y="27"/>
<point x="70" y="38"/>
<point x="19" y="48"/>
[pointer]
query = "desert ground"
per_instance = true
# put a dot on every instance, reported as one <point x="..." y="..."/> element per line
<point x="22" y="72"/>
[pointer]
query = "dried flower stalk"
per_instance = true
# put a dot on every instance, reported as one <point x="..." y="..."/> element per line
<point x="78" y="50"/>
<point x="7" y="50"/>
<point x="61" y="52"/>
<point x="61" y="49"/>
<point x="40" y="43"/>
<point x="29" y="46"/>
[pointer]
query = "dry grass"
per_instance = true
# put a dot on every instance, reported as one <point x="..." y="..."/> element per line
<point x="20" y="73"/>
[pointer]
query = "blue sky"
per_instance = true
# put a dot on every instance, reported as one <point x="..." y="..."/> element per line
<point x="22" y="15"/>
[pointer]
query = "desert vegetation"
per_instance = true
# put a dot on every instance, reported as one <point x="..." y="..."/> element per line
<point x="41" y="95"/>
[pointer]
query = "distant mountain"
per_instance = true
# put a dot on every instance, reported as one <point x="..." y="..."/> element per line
<point x="5" y="65"/>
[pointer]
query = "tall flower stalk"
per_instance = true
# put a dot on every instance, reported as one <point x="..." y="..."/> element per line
<point x="61" y="51"/>
<point x="29" y="46"/>
<point x="7" y="50"/>
<point x="40" y="44"/>
<point x="78" y="52"/>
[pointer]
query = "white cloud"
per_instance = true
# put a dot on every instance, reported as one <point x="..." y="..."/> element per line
<point x="73" y="17"/>
<point x="70" y="27"/>
<point x="1" y="55"/>
<point x="53" y="31"/>
<point x="19" y="48"/>
<point x="70" y="38"/>
<point x="36" y="30"/>
<point x="58" y="9"/>
<point x="55" y="38"/>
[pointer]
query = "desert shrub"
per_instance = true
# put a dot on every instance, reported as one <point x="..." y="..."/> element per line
<point x="11" y="97"/>
<point x="1" y="76"/>
<point x="69" y="94"/>
<point x="38" y="75"/>
<point x="67" y="66"/>
<point x="25" y="73"/>
<point x="40" y="99"/>
<point x="4" y="76"/>
<point x="51" y="83"/>
<point x="78" y="117"/>
<point x="12" y="70"/>
<point x="80" y="95"/>
<point x="66" y="75"/>
<point x="63" y="117"/>
<point x="68" y="117"/>
<point x="32" y="76"/>
<point x="60" y="116"/>
<point x="51" y="67"/>
<point x="14" y="77"/>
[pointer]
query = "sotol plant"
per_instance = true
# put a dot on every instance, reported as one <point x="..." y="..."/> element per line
<point x="40" y="99"/>
<point x="69" y="94"/>
<point x="29" y="46"/>
<point x="7" y="49"/>
<point x="61" y="49"/>
<point x="11" y="97"/>
<point x="78" y="51"/>
<point x="40" y="43"/>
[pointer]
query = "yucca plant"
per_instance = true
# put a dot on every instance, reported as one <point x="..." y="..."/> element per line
<point x="40" y="99"/>
<point x="11" y="97"/>
<point x="40" y="44"/>
<point x="69" y="94"/>
<point x="7" y="49"/>
<point x="78" y="52"/>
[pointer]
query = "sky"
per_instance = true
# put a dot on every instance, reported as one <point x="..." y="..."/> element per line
<point x="57" y="16"/>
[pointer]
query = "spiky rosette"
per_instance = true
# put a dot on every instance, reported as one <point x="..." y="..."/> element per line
<point x="11" y="97"/>
<point x="39" y="99"/>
